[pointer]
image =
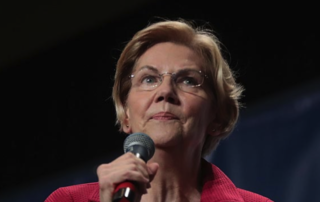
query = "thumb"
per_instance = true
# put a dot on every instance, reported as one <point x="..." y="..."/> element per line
<point x="152" y="169"/>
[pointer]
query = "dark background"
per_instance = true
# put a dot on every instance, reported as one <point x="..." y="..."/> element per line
<point x="58" y="60"/>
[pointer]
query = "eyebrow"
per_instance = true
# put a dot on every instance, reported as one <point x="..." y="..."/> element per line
<point x="148" y="67"/>
<point x="157" y="71"/>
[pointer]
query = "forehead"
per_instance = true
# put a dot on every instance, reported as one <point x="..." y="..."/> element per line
<point x="169" y="57"/>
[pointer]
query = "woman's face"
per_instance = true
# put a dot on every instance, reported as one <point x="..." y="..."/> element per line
<point x="169" y="115"/>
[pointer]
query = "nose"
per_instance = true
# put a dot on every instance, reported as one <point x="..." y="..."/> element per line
<point x="167" y="91"/>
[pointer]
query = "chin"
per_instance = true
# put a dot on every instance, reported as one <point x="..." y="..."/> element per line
<point x="165" y="136"/>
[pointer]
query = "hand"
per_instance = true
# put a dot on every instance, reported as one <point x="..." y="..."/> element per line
<point x="125" y="168"/>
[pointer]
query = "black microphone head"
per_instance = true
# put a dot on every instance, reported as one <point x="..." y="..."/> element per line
<point x="140" y="144"/>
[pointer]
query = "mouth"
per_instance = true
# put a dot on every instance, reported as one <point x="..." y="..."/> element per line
<point x="164" y="116"/>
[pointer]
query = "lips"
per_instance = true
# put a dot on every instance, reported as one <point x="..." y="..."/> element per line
<point x="164" y="116"/>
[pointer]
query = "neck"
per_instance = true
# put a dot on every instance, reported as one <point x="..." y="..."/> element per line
<point x="182" y="169"/>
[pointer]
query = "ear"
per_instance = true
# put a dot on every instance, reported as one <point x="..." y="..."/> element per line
<point x="126" y="126"/>
<point x="213" y="129"/>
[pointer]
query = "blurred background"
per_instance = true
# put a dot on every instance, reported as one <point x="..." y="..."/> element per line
<point x="57" y="61"/>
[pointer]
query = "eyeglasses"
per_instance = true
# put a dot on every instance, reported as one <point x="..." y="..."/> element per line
<point x="148" y="78"/>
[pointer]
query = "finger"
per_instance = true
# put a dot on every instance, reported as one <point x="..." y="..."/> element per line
<point x="128" y="173"/>
<point x="138" y="164"/>
<point x="128" y="161"/>
<point x="115" y="173"/>
<point x="152" y="170"/>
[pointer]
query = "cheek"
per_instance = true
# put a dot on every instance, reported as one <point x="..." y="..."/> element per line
<point x="198" y="108"/>
<point x="137" y="104"/>
<point x="200" y="113"/>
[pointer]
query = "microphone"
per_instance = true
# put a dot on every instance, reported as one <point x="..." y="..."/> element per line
<point x="142" y="146"/>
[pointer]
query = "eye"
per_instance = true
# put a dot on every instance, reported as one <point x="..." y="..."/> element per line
<point x="188" y="78"/>
<point x="149" y="79"/>
<point x="189" y="81"/>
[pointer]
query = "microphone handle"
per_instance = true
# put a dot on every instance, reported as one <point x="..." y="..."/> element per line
<point x="125" y="192"/>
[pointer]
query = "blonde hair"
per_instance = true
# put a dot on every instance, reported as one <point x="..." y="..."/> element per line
<point x="221" y="79"/>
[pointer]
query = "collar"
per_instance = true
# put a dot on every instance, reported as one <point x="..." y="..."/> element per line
<point x="217" y="187"/>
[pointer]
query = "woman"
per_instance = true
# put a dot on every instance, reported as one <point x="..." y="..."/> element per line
<point x="173" y="84"/>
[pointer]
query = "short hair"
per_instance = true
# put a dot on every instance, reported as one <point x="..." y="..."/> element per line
<point x="201" y="40"/>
